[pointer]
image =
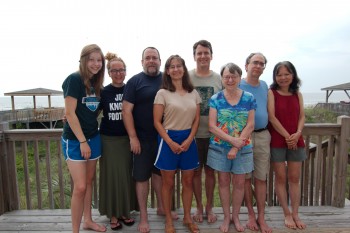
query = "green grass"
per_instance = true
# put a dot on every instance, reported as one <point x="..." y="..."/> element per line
<point x="43" y="175"/>
<point x="319" y="115"/>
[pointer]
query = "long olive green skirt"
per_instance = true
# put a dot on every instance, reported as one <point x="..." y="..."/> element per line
<point x="117" y="187"/>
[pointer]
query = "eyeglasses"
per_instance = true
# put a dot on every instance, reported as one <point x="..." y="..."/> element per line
<point x="258" y="63"/>
<point x="120" y="71"/>
<point x="233" y="77"/>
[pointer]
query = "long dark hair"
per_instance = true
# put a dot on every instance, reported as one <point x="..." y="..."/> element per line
<point x="167" y="84"/>
<point x="296" y="82"/>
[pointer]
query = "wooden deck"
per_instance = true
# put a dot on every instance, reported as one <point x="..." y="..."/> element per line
<point x="27" y="116"/>
<point x="341" y="108"/>
<point x="321" y="219"/>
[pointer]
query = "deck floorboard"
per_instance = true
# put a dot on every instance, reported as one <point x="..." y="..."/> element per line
<point x="321" y="219"/>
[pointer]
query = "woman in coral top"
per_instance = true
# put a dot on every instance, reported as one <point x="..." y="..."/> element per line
<point x="286" y="117"/>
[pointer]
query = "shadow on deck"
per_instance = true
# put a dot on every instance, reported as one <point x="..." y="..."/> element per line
<point x="318" y="219"/>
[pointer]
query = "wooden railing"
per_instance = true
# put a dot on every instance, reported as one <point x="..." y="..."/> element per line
<point x="338" y="108"/>
<point x="33" y="174"/>
<point x="32" y="115"/>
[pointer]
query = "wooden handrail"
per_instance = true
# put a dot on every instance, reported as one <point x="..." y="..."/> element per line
<point x="49" y="185"/>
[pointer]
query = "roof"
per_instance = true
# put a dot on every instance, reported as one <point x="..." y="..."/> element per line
<point x="34" y="92"/>
<point x="340" y="87"/>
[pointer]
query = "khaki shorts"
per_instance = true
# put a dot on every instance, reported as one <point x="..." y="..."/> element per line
<point x="261" y="153"/>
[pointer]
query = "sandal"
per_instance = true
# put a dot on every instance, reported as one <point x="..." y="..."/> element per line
<point x="169" y="228"/>
<point x="127" y="221"/>
<point x="115" y="226"/>
<point x="192" y="227"/>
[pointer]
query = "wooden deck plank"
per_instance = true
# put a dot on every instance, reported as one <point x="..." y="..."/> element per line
<point x="318" y="219"/>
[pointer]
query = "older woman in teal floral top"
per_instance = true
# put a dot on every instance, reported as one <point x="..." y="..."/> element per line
<point x="231" y="121"/>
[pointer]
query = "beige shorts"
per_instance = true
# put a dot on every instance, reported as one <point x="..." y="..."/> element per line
<point x="261" y="153"/>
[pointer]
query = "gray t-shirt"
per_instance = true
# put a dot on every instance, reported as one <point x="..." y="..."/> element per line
<point x="206" y="87"/>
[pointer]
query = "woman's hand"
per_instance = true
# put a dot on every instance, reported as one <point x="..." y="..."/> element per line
<point x="186" y="144"/>
<point x="232" y="153"/>
<point x="175" y="147"/>
<point x="292" y="141"/>
<point x="85" y="150"/>
<point x="295" y="136"/>
<point x="237" y="142"/>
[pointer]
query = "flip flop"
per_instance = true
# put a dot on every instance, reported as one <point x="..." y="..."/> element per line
<point x="115" y="226"/>
<point x="127" y="221"/>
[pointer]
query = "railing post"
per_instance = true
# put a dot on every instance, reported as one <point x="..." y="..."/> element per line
<point x="340" y="162"/>
<point x="4" y="176"/>
<point x="2" y="173"/>
<point x="10" y="173"/>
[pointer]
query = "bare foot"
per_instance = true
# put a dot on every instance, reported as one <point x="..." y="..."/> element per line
<point x="169" y="228"/>
<point x="289" y="222"/>
<point x="211" y="216"/>
<point x="192" y="227"/>
<point x="264" y="228"/>
<point x="143" y="227"/>
<point x="239" y="227"/>
<point x="94" y="226"/>
<point x="299" y="223"/>
<point x="174" y="215"/>
<point x="225" y="226"/>
<point x="251" y="224"/>
<point x="198" y="216"/>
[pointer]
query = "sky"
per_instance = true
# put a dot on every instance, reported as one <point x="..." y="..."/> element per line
<point x="41" y="41"/>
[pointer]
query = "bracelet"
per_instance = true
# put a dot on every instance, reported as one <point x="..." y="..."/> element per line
<point x="299" y="131"/>
<point x="82" y="142"/>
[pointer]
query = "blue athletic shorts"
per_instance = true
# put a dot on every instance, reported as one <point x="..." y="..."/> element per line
<point x="217" y="159"/>
<point x="71" y="148"/>
<point x="169" y="161"/>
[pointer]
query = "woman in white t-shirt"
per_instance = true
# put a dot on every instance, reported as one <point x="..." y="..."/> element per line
<point x="176" y="114"/>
